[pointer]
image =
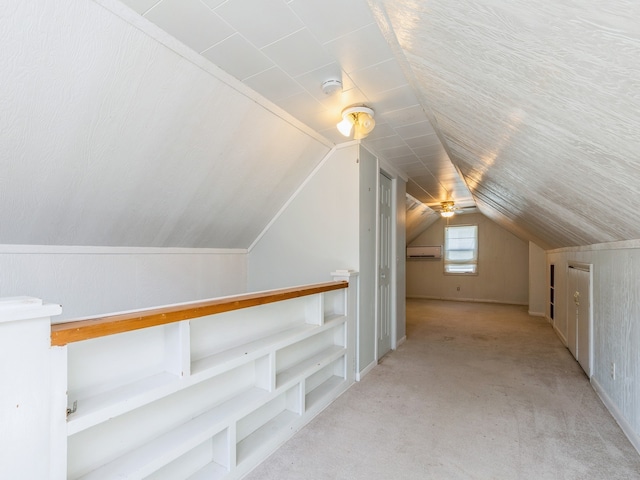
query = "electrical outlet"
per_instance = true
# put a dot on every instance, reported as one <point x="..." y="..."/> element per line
<point x="613" y="370"/>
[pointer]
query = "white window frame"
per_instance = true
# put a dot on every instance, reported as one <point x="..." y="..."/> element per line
<point x="469" y="264"/>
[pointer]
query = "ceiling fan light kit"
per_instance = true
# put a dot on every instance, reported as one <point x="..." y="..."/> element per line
<point x="448" y="209"/>
<point x="359" y="119"/>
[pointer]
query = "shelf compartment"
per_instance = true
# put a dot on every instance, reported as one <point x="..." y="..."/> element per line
<point x="221" y="361"/>
<point x="309" y="365"/>
<point x="257" y="432"/>
<point x="218" y="333"/>
<point x="334" y="303"/>
<point x="93" y="410"/>
<point x="326" y="384"/>
<point x="104" y="442"/>
<point x="208" y="460"/>
<point x="156" y="454"/>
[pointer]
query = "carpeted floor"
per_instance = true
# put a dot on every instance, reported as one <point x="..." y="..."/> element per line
<point x="478" y="391"/>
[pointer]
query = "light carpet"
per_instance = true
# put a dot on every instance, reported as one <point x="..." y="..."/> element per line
<point x="478" y="391"/>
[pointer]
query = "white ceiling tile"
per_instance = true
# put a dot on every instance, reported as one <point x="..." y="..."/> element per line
<point x="395" y="99"/>
<point x="238" y="57"/>
<point x="386" y="142"/>
<point x="415" y="130"/>
<point x="360" y="49"/>
<point x="397" y="151"/>
<point x="303" y="106"/>
<point x="298" y="53"/>
<point x="430" y="151"/>
<point x="404" y="160"/>
<point x="191" y="22"/>
<point x="213" y="3"/>
<point x="381" y="130"/>
<point x="330" y="19"/>
<point x="378" y="78"/>
<point x="274" y="84"/>
<point x="405" y="116"/>
<point x="423" y="141"/>
<point x="262" y="22"/>
<point x="140" y="6"/>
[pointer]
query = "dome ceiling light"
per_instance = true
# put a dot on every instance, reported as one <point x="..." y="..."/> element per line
<point x="359" y="119"/>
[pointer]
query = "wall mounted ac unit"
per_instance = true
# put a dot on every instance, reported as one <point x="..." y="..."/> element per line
<point x="425" y="251"/>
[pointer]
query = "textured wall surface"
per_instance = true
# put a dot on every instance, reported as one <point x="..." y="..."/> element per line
<point x="90" y="280"/>
<point x="616" y="321"/>
<point x="538" y="105"/>
<point x="503" y="266"/>
<point x="112" y="134"/>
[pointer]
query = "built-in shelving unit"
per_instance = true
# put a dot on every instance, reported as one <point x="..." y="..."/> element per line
<point x="208" y="397"/>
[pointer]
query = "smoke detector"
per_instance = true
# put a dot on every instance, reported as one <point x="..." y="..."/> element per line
<point x="332" y="86"/>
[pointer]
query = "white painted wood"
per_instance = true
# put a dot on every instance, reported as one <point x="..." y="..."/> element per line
<point x="384" y="311"/>
<point x="30" y="416"/>
<point x="241" y="397"/>
<point x="615" y="322"/>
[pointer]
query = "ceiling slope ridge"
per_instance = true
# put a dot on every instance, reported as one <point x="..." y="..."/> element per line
<point x="384" y="24"/>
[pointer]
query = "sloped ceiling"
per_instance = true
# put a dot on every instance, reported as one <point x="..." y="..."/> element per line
<point x="538" y="106"/>
<point x="113" y="137"/>
<point x="115" y="132"/>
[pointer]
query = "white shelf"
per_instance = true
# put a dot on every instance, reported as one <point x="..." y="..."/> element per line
<point x="308" y="366"/>
<point x="254" y="443"/>
<point x="99" y="408"/>
<point x="331" y="387"/>
<point x="254" y="393"/>
<point x="213" y="364"/>
<point x="150" y="457"/>
<point x="212" y="471"/>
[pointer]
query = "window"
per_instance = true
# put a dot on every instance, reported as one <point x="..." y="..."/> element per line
<point x="461" y="249"/>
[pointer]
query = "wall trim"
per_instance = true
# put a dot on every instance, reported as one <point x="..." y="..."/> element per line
<point x="537" y="314"/>
<point x="365" y="370"/>
<point x="401" y="341"/>
<point x="617" y="415"/>
<point x="106" y="250"/>
<point x="472" y="300"/>
<point x="560" y="335"/>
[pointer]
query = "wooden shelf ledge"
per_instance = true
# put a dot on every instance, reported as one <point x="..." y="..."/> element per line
<point x="85" y="329"/>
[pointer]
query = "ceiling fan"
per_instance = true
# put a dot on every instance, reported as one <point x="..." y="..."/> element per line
<point x="448" y="209"/>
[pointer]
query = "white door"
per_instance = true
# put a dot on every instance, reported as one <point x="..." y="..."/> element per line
<point x="579" y="328"/>
<point x="384" y="266"/>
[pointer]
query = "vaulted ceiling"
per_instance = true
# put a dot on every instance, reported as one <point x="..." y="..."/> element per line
<point x="129" y="116"/>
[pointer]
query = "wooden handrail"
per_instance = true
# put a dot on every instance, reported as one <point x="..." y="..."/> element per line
<point x="78" y="330"/>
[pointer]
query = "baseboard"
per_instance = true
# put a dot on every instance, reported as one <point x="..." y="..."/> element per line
<point x="617" y="415"/>
<point x="537" y="314"/>
<point x="474" y="300"/>
<point x="560" y="335"/>
<point x="365" y="370"/>
<point x="401" y="341"/>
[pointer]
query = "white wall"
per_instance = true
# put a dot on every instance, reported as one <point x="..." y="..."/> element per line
<point x="503" y="266"/>
<point x="316" y="233"/>
<point x="616" y="323"/>
<point x="538" y="291"/>
<point x="96" y="280"/>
